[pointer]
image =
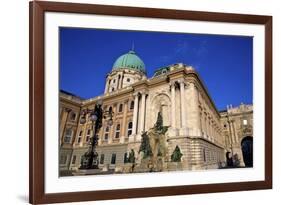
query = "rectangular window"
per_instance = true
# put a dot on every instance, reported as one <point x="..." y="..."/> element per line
<point x="101" y="158"/>
<point x="106" y="136"/>
<point x="126" y="157"/>
<point x="245" y="122"/>
<point x="88" y="135"/>
<point x="117" y="131"/>
<point x="79" y="139"/>
<point x="204" y="155"/>
<point x="120" y="108"/>
<point x="73" y="116"/>
<point x="63" y="159"/>
<point x="73" y="159"/>
<point x="132" y="105"/>
<point x="130" y="128"/>
<point x="68" y="135"/>
<point x="113" y="159"/>
<point x="106" y="133"/>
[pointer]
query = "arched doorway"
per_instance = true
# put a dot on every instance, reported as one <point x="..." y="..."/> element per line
<point x="247" y="150"/>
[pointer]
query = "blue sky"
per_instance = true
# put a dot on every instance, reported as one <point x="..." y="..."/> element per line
<point x="224" y="63"/>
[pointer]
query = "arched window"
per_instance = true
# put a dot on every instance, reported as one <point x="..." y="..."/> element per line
<point x="130" y="128"/>
<point x="110" y="109"/>
<point x="120" y="108"/>
<point x="132" y="105"/>
<point x="117" y="131"/>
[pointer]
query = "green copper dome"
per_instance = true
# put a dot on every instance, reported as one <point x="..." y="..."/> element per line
<point x="130" y="61"/>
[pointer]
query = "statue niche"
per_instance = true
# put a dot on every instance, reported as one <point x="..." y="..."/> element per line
<point x="153" y="147"/>
<point x="161" y="102"/>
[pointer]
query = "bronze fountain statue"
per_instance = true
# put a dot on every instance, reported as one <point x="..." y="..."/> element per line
<point x="153" y="147"/>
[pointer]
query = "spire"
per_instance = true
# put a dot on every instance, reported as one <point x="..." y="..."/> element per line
<point x="133" y="46"/>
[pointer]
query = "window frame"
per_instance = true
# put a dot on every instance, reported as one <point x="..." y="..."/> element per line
<point x="113" y="156"/>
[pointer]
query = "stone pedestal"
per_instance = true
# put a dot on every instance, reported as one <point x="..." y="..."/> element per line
<point x="128" y="168"/>
<point x="105" y="168"/>
<point x="237" y="150"/>
<point x="132" y="138"/>
<point x="183" y="132"/>
<point x="147" y="165"/>
<point x="122" y="139"/>
<point x="172" y="132"/>
<point x="138" y="138"/>
<point x="81" y="172"/>
<point x="174" y="166"/>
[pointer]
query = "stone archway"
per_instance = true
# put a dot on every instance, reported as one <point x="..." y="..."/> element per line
<point x="247" y="150"/>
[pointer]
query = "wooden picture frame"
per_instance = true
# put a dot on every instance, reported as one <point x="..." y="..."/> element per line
<point x="37" y="102"/>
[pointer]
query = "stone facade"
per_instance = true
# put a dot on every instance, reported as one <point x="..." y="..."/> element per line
<point x="237" y="125"/>
<point x="203" y="134"/>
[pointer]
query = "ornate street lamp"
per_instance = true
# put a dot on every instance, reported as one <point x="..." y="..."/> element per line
<point x="90" y="159"/>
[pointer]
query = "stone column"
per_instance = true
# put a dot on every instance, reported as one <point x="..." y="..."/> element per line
<point x="195" y="95"/>
<point x="183" y="112"/>
<point x="212" y="131"/>
<point x="142" y="112"/>
<point x="106" y="85"/>
<point x="231" y="132"/>
<point x="120" y="81"/>
<point x="135" y="115"/>
<point x="208" y="128"/>
<point x="216" y="134"/>
<point x="112" y="128"/>
<point x="117" y="82"/>
<point x="235" y="134"/>
<point x="204" y="124"/>
<point x="173" y="105"/>
<point x="63" y="123"/>
<point x="124" y="121"/>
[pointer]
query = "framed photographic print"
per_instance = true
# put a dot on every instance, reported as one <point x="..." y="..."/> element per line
<point x="138" y="102"/>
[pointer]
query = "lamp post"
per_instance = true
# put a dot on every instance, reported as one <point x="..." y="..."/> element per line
<point x="90" y="159"/>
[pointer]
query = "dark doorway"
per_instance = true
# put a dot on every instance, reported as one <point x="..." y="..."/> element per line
<point x="229" y="161"/>
<point x="247" y="150"/>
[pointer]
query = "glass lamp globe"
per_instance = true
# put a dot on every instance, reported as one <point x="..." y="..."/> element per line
<point x="94" y="117"/>
<point x="83" y="120"/>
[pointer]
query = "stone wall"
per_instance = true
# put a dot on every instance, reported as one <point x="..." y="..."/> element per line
<point x="118" y="149"/>
<point x="197" y="153"/>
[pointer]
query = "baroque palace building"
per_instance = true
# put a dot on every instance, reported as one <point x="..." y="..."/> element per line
<point x="204" y="135"/>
